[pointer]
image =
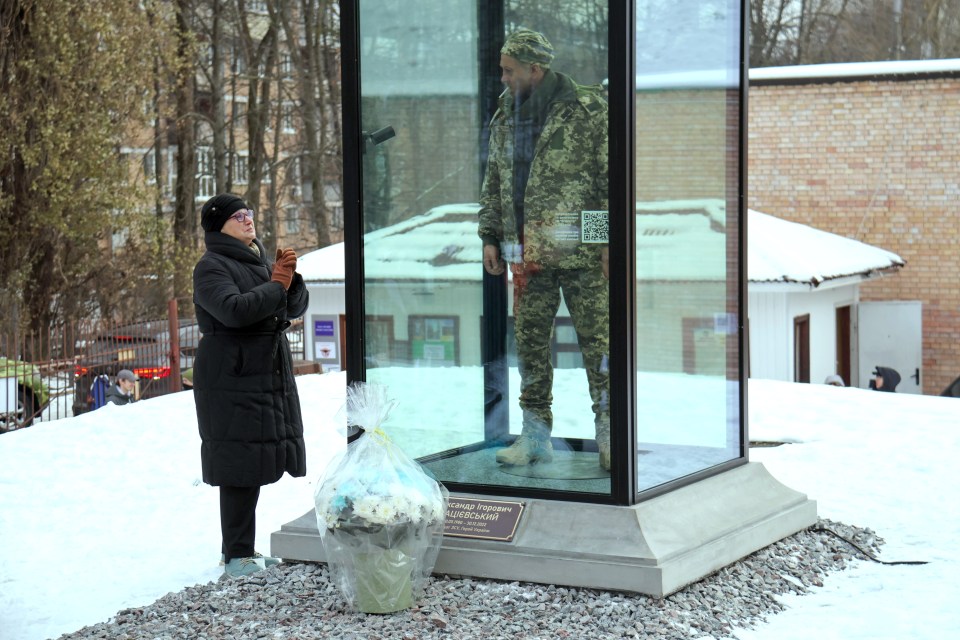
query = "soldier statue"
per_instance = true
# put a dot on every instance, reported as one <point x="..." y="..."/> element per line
<point x="543" y="213"/>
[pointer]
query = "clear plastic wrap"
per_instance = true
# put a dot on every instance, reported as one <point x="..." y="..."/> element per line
<point x="380" y="515"/>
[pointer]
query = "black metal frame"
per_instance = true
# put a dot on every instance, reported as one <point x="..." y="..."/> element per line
<point x="623" y="284"/>
<point x="493" y="347"/>
<point x="622" y="172"/>
<point x="353" y="145"/>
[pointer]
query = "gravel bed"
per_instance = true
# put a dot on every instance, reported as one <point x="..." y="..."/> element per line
<point x="298" y="600"/>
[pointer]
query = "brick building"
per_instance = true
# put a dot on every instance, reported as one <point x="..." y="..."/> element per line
<point x="871" y="151"/>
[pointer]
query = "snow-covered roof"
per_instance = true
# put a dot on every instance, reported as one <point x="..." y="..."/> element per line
<point x="323" y="265"/>
<point x="714" y="77"/>
<point x="779" y="251"/>
<point x="851" y="70"/>
<point x="677" y="240"/>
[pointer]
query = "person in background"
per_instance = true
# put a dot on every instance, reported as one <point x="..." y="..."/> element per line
<point x="544" y="214"/>
<point x="123" y="392"/>
<point x="834" y="380"/>
<point x="248" y="409"/>
<point x="97" y="396"/>
<point x="885" y="379"/>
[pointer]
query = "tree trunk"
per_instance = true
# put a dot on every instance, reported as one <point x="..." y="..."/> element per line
<point x="218" y="116"/>
<point x="184" y="220"/>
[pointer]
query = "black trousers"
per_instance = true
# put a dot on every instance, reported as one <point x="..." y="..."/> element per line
<point x="238" y="521"/>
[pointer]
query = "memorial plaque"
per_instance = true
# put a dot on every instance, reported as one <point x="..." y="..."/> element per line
<point x="485" y="519"/>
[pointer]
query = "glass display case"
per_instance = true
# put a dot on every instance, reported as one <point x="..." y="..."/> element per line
<point x="544" y="239"/>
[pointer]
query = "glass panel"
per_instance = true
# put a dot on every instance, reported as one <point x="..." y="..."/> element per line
<point x="687" y="158"/>
<point x="453" y="343"/>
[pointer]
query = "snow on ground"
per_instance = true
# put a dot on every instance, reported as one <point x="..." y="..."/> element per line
<point x="107" y="510"/>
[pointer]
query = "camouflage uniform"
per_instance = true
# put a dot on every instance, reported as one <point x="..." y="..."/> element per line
<point x="567" y="175"/>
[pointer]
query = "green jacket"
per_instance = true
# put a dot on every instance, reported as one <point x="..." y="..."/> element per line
<point x="568" y="176"/>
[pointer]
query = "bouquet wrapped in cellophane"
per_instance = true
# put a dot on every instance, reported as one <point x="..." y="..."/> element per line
<point x="380" y="515"/>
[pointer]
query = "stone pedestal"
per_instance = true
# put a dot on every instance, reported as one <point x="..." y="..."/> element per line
<point x="655" y="547"/>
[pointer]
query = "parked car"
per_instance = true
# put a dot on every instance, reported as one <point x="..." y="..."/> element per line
<point x="143" y="348"/>
<point x="23" y="394"/>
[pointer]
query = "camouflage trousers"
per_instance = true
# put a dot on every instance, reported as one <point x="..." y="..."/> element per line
<point x="536" y="301"/>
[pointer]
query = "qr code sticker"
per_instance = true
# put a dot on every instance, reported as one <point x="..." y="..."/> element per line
<point x="594" y="227"/>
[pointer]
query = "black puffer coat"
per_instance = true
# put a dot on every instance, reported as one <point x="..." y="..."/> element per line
<point x="248" y="409"/>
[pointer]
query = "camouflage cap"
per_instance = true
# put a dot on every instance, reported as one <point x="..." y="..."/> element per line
<point x="529" y="47"/>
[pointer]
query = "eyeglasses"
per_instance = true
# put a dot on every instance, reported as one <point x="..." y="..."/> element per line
<point x="241" y="214"/>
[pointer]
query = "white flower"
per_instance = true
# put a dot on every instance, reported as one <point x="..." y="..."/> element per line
<point x="392" y="504"/>
<point x="374" y="482"/>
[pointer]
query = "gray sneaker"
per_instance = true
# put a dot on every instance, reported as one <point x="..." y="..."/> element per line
<point x="239" y="567"/>
<point x="526" y="450"/>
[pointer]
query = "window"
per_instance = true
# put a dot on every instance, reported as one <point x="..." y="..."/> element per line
<point x="332" y="193"/>
<point x="292" y="220"/>
<point x="239" y="114"/>
<point x="241" y="173"/>
<point x="121" y="233"/>
<point x="239" y="61"/>
<point x="205" y="180"/>
<point x="150" y="166"/>
<point x="286" y="66"/>
<point x="286" y="118"/>
<point x="296" y="170"/>
<point x="171" y="166"/>
<point x="434" y="341"/>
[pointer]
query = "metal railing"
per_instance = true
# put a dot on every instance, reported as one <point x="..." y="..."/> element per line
<point x="50" y="375"/>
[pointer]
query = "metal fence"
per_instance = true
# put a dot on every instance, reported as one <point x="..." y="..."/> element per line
<point x="61" y="373"/>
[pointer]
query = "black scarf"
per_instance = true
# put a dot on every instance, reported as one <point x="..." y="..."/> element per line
<point x="529" y="115"/>
<point x="221" y="243"/>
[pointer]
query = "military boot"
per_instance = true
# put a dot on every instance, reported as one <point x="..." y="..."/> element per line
<point x="604" y="449"/>
<point x="602" y="424"/>
<point x="526" y="450"/>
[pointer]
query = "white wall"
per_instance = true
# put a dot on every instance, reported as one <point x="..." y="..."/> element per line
<point x="771" y="330"/>
<point x="770" y="316"/>
<point x="461" y="299"/>
<point x="401" y="300"/>
<point x="325" y="299"/>
<point x="770" y="336"/>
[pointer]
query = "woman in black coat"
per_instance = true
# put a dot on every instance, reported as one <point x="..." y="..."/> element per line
<point x="248" y="409"/>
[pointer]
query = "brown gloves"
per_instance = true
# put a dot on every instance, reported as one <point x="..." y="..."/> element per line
<point x="284" y="267"/>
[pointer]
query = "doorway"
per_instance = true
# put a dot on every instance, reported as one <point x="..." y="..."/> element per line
<point x="801" y="348"/>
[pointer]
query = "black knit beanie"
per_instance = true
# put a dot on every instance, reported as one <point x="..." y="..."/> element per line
<point x="218" y="209"/>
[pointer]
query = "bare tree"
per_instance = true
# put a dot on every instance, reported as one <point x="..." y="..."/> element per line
<point x="72" y="85"/>
<point x="184" y="216"/>
<point x="789" y="32"/>
<point x="308" y="34"/>
<point x="577" y="31"/>
<point x="217" y="86"/>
